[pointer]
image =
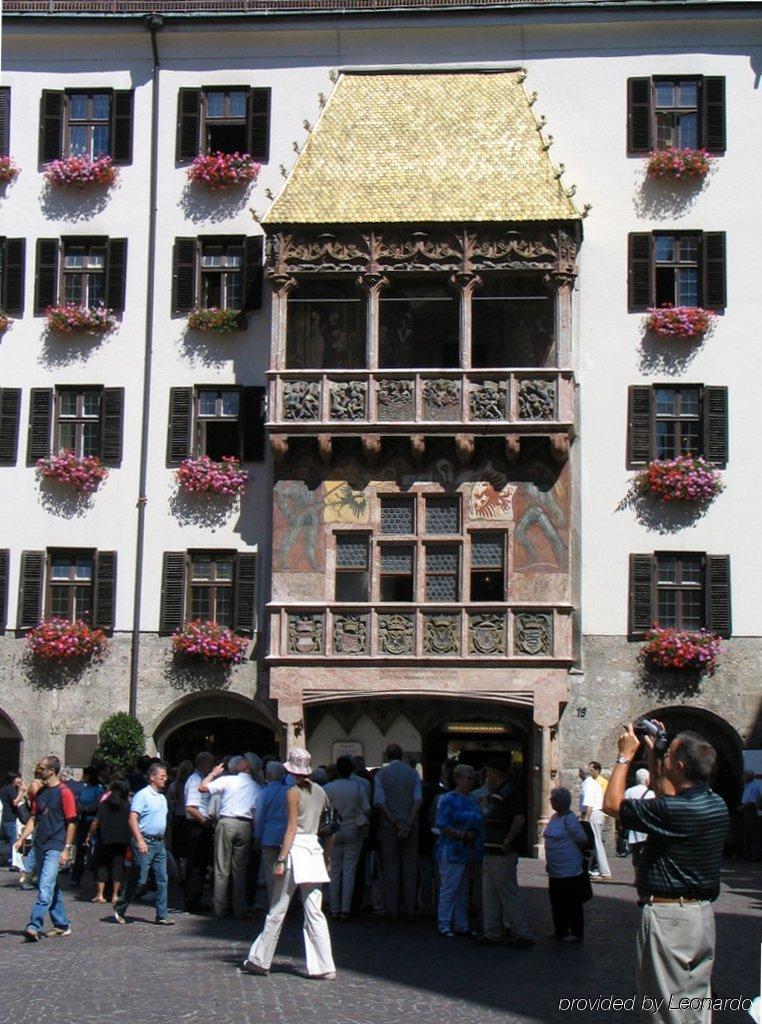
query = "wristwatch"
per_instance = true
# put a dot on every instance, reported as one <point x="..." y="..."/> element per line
<point x="623" y="760"/>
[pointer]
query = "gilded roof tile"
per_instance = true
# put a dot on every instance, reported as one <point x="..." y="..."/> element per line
<point x="423" y="148"/>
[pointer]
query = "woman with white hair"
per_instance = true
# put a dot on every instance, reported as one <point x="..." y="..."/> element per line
<point x="461" y="825"/>
<point x="640" y="791"/>
<point x="568" y="881"/>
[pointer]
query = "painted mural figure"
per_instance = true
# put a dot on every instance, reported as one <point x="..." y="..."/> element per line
<point x="301" y="509"/>
<point x="544" y="512"/>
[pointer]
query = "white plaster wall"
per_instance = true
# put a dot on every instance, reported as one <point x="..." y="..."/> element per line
<point x="365" y="731"/>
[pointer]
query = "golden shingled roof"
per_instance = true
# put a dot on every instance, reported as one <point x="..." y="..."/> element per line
<point x="423" y="148"/>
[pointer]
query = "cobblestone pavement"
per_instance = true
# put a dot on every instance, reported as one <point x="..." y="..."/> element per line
<point x="388" y="973"/>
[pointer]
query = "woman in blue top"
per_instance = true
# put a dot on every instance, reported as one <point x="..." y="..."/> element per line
<point x="460" y="824"/>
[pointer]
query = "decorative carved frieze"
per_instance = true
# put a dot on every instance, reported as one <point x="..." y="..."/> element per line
<point x="350" y="634"/>
<point x="486" y="634"/>
<point x="537" y="399"/>
<point x="441" y="634"/>
<point x="441" y="399"/>
<point x="488" y="400"/>
<point x="533" y="633"/>
<point x="348" y="400"/>
<point x="301" y="400"/>
<point x="395" y="634"/>
<point x="395" y="399"/>
<point x="305" y="634"/>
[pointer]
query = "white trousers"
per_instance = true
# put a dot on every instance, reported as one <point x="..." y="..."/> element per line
<point x="317" y="938"/>
<point x="597" y="818"/>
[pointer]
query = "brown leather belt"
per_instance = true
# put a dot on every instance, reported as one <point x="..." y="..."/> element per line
<point x="671" y="899"/>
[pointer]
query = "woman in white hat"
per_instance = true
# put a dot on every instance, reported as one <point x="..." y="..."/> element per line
<point x="302" y="861"/>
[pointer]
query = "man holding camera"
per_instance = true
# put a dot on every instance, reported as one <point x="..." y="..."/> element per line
<point x="678" y="875"/>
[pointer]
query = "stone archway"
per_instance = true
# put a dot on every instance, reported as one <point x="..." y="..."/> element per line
<point x="10" y="745"/>
<point x="226" y="723"/>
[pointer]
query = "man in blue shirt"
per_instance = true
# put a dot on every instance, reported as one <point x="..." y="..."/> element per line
<point x="270" y="817"/>
<point x="148" y="823"/>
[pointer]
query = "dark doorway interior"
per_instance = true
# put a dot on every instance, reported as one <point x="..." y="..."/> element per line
<point x="10" y="755"/>
<point x="219" y="735"/>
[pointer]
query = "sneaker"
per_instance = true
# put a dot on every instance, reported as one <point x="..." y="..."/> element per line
<point x="328" y="976"/>
<point x="31" y="935"/>
<point x="165" y="921"/>
<point x="58" y="932"/>
<point x="594" y="874"/>
<point x="118" y="918"/>
<point x="249" y="968"/>
<point x="447" y="935"/>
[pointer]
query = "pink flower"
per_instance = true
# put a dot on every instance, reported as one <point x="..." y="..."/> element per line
<point x="679" y="164"/>
<point x="222" y="321"/>
<point x="83" y="474"/>
<point x="203" y="476"/>
<point x="684" y="478"/>
<point x="71" y="317"/>
<point x="9" y="171"/>
<point x="81" y="171"/>
<point x="220" y="170"/>
<point x="210" y="642"/>
<point x="682" y="650"/>
<point x="679" y="321"/>
<point x="59" y="639"/>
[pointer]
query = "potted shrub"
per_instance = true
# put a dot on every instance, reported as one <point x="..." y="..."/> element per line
<point x="70" y="318"/>
<point x="83" y="473"/>
<point x="221" y="321"/>
<point x="81" y="172"/>
<point x="223" y="170"/>
<point x="677" y="164"/>
<point x="679" y="321"/>
<point x="9" y="171"/>
<point x="202" y="475"/>
<point x="61" y="640"/>
<point x="121" y="741"/>
<point x="684" y="478"/>
<point x="208" y="641"/>
<point x="682" y="650"/>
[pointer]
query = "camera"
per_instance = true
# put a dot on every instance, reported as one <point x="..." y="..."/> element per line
<point x="645" y="727"/>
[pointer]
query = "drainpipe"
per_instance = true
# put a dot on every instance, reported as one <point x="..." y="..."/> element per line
<point x="153" y="23"/>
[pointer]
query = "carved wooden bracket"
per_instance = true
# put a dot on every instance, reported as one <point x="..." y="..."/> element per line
<point x="559" y="447"/>
<point x="372" y="282"/>
<point x="512" y="447"/>
<point x="281" y="284"/>
<point x="465" y="445"/>
<point x="371" y="448"/>
<point x="465" y="282"/>
<point x="325" y="448"/>
<point x="279" y="447"/>
<point x="418" y="448"/>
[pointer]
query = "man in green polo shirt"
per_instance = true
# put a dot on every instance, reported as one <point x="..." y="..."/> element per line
<point x="678" y="875"/>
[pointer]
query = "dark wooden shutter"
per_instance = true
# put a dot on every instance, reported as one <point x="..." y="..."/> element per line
<point x="112" y="418"/>
<point x="104" y="594"/>
<point x="5" y="557"/>
<point x="31" y="588"/>
<point x="10" y="408"/>
<point x="639" y="271"/>
<point x="245" y="594"/>
<point x="51" y="125"/>
<point x="252" y="420"/>
<point x="5" y="120"/>
<point x="121" y="126"/>
<point x="116" y="273"/>
<point x="639" y="134"/>
<point x="713" y="135"/>
<point x="639" y="425"/>
<point x="184" y="275"/>
<point x="12" y="299"/>
<point x="172" y="613"/>
<point x="180" y="424"/>
<point x="188" y="124"/>
<point x="715" y="425"/>
<point x="642" y="604"/>
<point x="713" y="265"/>
<point x="717" y="582"/>
<point x="252" y="273"/>
<point x="40" y="423"/>
<point x="259" y="124"/>
<point x="46" y="275"/>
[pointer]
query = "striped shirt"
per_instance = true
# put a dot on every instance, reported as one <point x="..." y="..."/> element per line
<point x="683" y="851"/>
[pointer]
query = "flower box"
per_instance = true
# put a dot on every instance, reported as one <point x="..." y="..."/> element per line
<point x="223" y="170"/>
<point x="679" y="321"/>
<point x="204" y="476"/>
<point x="84" y="474"/>
<point x="684" y="478"/>
<point x="682" y="650"/>
<point x="221" y="321"/>
<point x="71" y="318"/>
<point x="81" y="172"/>
<point x="61" y="640"/>
<point x="208" y="641"/>
<point x="5" y="322"/>
<point x="679" y="164"/>
<point x="8" y="169"/>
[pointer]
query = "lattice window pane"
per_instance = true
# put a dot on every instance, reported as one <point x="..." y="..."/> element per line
<point x="396" y="559"/>
<point x="486" y="551"/>
<point x="397" y="515"/>
<point x="442" y="559"/>
<point x="352" y="553"/>
<point x="441" y="588"/>
<point x="442" y="515"/>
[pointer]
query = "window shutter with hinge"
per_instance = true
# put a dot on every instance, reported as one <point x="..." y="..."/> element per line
<point x="121" y="126"/>
<point x="172" y="613"/>
<point x="112" y="418"/>
<point x="5" y="121"/>
<point x="252" y="419"/>
<point x="5" y="556"/>
<point x="642" y="605"/>
<point x="713" y="134"/>
<point x="104" y="593"/>
<point x="715" y="425"/>
<point x="713" y="264"/>
<point x="252" y="273"/>
<point x="639" y="418"/>
<point x="12" y="298"/>
<point x="51" y="125"/>
<point x="639" y="269"/>
<point x="188" y="125"/>
<point x="10" y="408"/>
<point x="46" y="275"/>
<point x="116" y="272"/>
<point x="259" y="124"/>
<point x="31" y="586"/>
<point x="184" y="275"/>
<point x="718" y="618"/>
<point x="245" y="594"/>
<point x="638" y="115"/>
<point x="180" y="424"/>
<point x="40" y="423"/>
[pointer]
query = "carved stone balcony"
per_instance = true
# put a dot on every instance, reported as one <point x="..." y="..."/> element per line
<point x="521" y="634"/>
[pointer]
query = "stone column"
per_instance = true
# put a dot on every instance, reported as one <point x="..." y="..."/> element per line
<point x="292" y="718"/>
<point x="281" y="286"/>
<point x="466" y="283"/>
<point x="564" y="285"/>
<point x="372" y="285"/>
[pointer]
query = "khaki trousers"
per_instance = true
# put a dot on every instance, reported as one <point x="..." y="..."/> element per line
<point x="675" y="960"/>
<point x="502" y="903"/>
<point x="232" y="849"/>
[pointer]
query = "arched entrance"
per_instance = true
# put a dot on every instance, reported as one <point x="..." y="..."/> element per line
<point x="222" y="723"/>
<point x="10" y="746"/>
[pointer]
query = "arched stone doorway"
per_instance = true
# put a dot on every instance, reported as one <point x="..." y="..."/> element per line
<point x="223" y="723"/>
<point x="10" y="745"/>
